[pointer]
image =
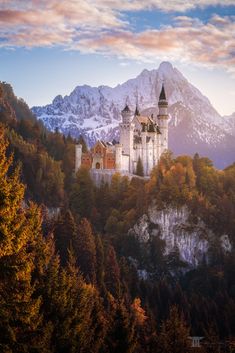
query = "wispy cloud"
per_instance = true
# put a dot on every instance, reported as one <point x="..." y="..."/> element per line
<point x="100" y="27"/>
<point x="169" y="5"/>
<point x="189" y="40"/>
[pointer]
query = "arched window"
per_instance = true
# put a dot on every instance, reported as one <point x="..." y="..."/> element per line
<point x="97" y="166"/>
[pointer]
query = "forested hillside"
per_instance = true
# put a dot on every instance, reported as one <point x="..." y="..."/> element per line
<point x="70" y="278"/>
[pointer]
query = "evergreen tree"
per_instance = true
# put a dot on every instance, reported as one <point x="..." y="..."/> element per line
<point x="139" y="168"/>
<point x="122" y="336"/>
<point x="212" y="342"/>
<point x="174" y="336"/>
<point x="65" y="233"/>
<point x="82" y="194"/>
<point x="73" y="308"/>
<point x="99" y="262"/>
<point x="85" y="250"/>
<point x="112" y="273"/>
<point x="103" y="203"/>
<point x="20" y="317"/>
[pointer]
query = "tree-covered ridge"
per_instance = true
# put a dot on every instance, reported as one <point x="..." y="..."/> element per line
<point x="47" y="159"/>
<point x="46" y="303"/>
<point x="69" y="279"/>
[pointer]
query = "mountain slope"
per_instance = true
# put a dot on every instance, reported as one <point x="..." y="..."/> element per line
<point x="195" y="126"/>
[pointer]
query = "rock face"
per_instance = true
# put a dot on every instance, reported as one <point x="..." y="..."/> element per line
<point x="174" y="227"/>
<point x="195" y="126"/>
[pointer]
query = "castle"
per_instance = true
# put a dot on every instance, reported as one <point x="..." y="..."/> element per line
<point x="141" y="137"/>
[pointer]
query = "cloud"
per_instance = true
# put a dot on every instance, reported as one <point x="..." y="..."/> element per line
<point x="189" y="40"/>
<point x="169" y="5"/>
<point x="100" y="27"/>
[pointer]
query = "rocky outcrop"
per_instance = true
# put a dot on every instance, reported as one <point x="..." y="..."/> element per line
<point x="175" y="227"/>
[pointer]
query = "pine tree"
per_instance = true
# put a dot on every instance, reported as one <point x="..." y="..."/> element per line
<point x="139" y="168"/>
<point x="122" y="336"/>
<point x="73" y="308"/>
<point x="65" y="233"/>
<point x="82" y="194"/>
<point x="20" y="318"/>
<point x="112" y="273"/>
<point x="212" y="341"/>
<point x="85" y="250"/>
<point x="99" y="262"/>
<point x="174" y="336"/>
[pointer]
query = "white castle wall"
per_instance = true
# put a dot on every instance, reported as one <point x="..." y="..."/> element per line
<point x="118" y="156"/>
<point x="125" y="163"/>
<point x="78" y="157"/>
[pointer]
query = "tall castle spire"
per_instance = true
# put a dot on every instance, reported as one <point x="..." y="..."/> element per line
<point x="162" y="94"/>
<point x="163" y="118"/>
<point x="162" y="102"/>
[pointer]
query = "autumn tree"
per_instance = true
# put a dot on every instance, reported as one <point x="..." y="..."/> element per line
<point x="65" y="233"/>
<point x="85" y="250"/>
<point x="73" y="308"/>
<point x="112" y="273"/>
<point x="122" y="335"/>
<point x="82" y="194"/>
<point x="174" y="336"/>
<point x="20" y="318"/>
<point x="99" y="261"/>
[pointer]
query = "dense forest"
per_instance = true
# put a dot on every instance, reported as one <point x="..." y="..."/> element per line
<point x="69" y="279"/>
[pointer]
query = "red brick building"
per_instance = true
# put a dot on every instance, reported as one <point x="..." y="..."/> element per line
<point x="101" y="156"/>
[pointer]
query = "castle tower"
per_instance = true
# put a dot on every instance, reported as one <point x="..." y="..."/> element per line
<point x="163" y="119"/>
<point x="127" y="135"/>
<point x="126" y="115"/>
<point x="144" y="150"/>
<point x="78" y="157"/>
<point x="118" y="156"/>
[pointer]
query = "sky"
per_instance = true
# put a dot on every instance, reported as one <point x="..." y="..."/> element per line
<point x="48" y="47"/>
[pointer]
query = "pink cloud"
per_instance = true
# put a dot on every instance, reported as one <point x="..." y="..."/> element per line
<point x="98" y="27"/>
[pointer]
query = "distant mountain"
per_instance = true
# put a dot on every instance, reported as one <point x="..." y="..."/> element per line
<point x="195" y="126"/>
<point x="230" y="123"/>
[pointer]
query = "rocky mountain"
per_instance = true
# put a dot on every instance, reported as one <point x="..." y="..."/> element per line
<point x="230" y="123"/>
<point x="194" y="126"/>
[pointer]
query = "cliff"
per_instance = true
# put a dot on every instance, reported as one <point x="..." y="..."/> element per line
<point x="175" y="227"/>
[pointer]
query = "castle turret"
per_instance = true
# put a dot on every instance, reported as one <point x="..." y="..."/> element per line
<point x="163" y="119"/>
<point x="126" y="115"/>
<point x="127" y="135"/>
<point x="162" y="103"/>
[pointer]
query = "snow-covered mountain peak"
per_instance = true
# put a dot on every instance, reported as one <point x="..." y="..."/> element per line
<point x="165" y="66"/>
<point x="165" y="69"/>
<point x="58" y="99"/>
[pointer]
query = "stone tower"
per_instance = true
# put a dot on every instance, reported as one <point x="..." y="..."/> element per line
<point x="163" y="119"/>
<point x="127" y="134"/>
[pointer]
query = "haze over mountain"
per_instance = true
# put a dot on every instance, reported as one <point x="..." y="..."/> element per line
<point x="194" y="126"/>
